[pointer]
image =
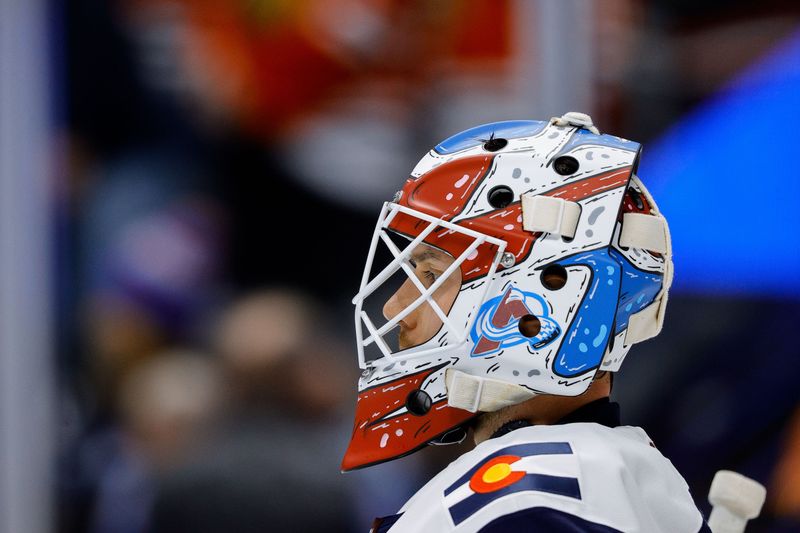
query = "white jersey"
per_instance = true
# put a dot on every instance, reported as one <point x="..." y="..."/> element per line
<point x="572" y="477"/>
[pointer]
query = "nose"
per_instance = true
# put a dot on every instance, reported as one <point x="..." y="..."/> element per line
<point x="399" y="301"/>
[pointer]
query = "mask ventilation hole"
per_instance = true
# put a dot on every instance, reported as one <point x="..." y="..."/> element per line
<point x="566" y="165"/>
<point x="418" y="402"/>
<point x="493" y="145"/>
<point x="529" y="326"/>
<point x="454" y="436"/>
<point x="554" y="277"/>
<point x="500" y="196"/>
<point x="637" y="199"/>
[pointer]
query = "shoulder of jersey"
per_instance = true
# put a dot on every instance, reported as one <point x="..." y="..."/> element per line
<point x="584" y="476"/>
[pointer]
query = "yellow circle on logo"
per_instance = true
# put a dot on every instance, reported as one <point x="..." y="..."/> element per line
<point x="497" y="473"/>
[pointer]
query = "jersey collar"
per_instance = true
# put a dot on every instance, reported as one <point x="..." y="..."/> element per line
<point x="602" y="411"/>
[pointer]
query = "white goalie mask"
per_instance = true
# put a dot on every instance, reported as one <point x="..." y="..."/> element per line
<point x="519" y="258"/>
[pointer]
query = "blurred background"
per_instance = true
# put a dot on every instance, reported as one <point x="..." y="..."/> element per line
<point x="187" y="191"/>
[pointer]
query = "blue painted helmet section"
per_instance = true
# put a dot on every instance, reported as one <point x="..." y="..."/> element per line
<point x="585" y="137"/>
<point x="616" y="289"/>
<point x="639" y="289"/>
<point x="508" y="129"/>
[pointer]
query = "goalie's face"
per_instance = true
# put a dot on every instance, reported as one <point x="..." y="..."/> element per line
<point x="422" y="324"/>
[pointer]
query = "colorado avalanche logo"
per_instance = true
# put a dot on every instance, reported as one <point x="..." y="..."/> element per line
<point x="497" y="324"/>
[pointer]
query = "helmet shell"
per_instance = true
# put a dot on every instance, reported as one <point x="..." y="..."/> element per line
<point x="582" y="320"/>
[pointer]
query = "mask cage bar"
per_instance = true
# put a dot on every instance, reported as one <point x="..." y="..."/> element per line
<point x="417" y="283"/>
<point x="426" y="294"/>
<point x="400" y="261"/>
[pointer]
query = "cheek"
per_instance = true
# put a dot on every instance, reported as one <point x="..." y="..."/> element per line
<point x="448" y="293"/>
<point x="444" y="297"/>
<point x="430" y="322"/>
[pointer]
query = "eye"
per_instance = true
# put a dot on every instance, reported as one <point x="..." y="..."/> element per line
<point x="429" y="276"/>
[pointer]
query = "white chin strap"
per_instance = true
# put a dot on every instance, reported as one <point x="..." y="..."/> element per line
<point x="473" y="393"/>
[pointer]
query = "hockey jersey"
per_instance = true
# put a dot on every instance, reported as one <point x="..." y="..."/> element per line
<point x="573" y="477"/>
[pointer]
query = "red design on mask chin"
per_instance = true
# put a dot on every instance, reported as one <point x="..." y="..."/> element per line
<point x="385" y="430"/>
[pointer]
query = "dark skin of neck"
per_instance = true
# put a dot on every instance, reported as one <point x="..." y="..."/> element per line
<point x="544" y="409"/>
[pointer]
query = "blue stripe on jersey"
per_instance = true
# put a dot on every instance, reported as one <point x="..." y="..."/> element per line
<point x="523" y="450"/>
<point x="564" y="486"/>
<point x="544" y="520"/>
<point x="382" y="525"/>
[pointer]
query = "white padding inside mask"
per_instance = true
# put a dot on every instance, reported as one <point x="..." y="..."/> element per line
<point x="473" y="393"/>
<point x="550" y="215"/>
<point x="647" y="232"/>
<point x="647" y="323"/>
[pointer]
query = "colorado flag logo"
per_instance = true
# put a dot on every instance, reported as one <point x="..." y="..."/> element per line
<point x="508" y="471"/>
<point x="497" y="324"/>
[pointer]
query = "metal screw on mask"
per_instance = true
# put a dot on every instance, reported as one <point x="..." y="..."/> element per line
<point x="507" y="260"/>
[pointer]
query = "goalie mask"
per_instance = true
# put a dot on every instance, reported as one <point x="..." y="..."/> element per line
<point x="519" y="258"/>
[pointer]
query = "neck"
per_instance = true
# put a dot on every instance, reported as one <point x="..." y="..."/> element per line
<point x="543" y="409"/>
